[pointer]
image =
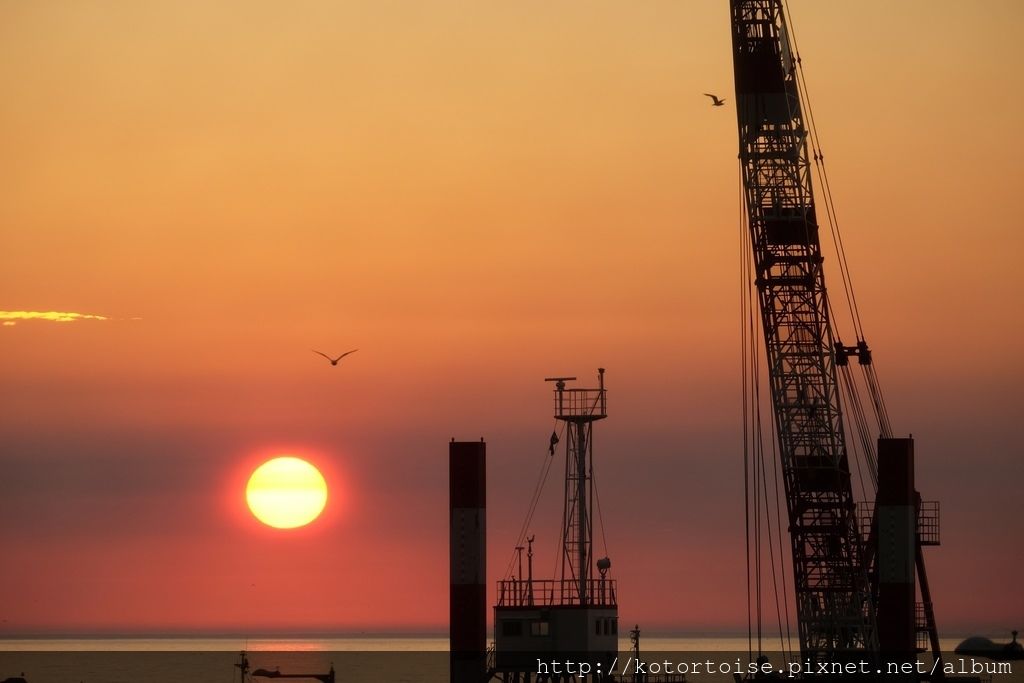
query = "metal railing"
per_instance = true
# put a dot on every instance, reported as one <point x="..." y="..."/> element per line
<point x="921" y="627"/>
<point x="865" y="518"/>
<point x="581" y="403"/>
<point x="927" y="521"/>
<point x="555" y="592"/>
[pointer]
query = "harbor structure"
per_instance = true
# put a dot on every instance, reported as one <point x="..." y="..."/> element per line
<point x="467" y="496"/>
<point x="573" y="615"/>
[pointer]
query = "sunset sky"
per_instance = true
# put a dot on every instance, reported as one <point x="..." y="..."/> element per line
<point x="476" y="196"/>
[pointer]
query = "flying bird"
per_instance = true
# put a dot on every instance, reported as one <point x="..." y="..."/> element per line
<point x="715" y="102"/>
<point x="334" y="361"/>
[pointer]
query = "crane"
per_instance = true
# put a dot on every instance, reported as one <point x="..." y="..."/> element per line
<point x="849" y="606"/>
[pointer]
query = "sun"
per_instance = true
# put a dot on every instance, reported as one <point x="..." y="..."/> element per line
<point x="286" y="492"/>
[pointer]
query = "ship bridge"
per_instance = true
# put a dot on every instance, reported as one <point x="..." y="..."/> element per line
<point x="576" y="614"/>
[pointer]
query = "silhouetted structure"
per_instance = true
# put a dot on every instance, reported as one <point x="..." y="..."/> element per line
<point x="243" y="672"/>
<point x="853" y="576"/>
<point x="979" y="646"/>
<point x="576" y="615"/>
<point x="467" y="495"/>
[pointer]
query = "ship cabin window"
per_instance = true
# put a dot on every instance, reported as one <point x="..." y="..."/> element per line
<point x="597" y="626"/>
<point x="512" y="627"/>
<point x="615" y="627"/>
<point x="540" y="628"/>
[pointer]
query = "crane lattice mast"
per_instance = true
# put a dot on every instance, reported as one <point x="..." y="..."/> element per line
<point x="833" y="595"/>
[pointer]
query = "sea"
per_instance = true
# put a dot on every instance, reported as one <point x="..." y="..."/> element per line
<point x="391" y="658"/>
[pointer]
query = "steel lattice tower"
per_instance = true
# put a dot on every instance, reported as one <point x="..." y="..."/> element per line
<point x="835" y="615"/>
<point x="579" y="409"/>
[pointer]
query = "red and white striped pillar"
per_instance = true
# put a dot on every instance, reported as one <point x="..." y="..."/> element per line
<point x="896" y="514"/>
<point x="467" y="487"/>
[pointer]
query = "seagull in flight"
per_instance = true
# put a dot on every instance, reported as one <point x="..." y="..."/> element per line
<point x="715" y="102"/>
<point x="334" y="361"/>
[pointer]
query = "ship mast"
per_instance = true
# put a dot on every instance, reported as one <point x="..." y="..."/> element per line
<point x="579" y="409"/>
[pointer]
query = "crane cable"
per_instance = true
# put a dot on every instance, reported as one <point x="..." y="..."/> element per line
<point x="756" y="492"/>
<point x="870" y="373"/>
<point x="819" y="161"/>
<point x="744" y="316"/>
<point x="755" y="476"/>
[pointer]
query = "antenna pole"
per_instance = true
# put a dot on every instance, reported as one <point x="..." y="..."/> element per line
<point x="529" y="563"/>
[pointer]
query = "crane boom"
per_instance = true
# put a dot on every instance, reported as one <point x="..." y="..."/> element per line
<point x="833" y="595"/>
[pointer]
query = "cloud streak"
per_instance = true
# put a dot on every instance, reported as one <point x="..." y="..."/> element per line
<point x="10" y="318"/>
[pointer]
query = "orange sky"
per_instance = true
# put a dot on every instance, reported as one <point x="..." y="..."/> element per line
<point x="476" y="197"/>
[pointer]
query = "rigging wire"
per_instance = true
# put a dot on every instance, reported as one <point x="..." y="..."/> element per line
<point x="755" y="502"/>
<point x="593" y="486"/>
<point x="744" y="316"/>
<point x="756" y="494"/>
<point x="776" y="565"/>
<point x="862" y="444"/>
<point x="787" y="644"/>
<point x="758" y="460"/>
<point x="848" y="383"/>
<point x="870" y="374"/>
<point x="771" y="546"/>
<point x="600" y="517"/>
<point x="542" y="478"/>
<point x="877" y="398"/>
<point x="755" y="474"/>
<point x="819" y="161"/>
<point x="879" y="407"/>
<point x="751" y="444"/>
